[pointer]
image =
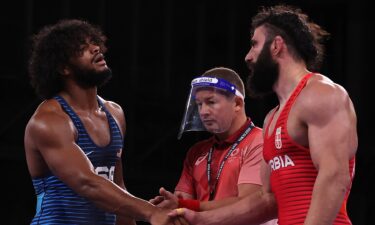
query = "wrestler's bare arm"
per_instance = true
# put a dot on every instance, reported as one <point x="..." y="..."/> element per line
<point x="332" y="139"/>
<point x="65" y="159"/>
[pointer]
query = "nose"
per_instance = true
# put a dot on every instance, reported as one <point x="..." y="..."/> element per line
<point x="249" y="57"/>
<point x="94" y="49"/>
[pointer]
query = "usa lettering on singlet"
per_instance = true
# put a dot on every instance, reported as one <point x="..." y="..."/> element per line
<point x="292" y="171"/>
<point x="56" y="202"/>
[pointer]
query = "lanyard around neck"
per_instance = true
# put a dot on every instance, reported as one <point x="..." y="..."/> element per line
<point x="209" y="160"/>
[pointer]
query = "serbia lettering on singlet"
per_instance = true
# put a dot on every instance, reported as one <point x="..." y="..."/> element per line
<point x="292" y="171"/>
<point x="56" y="202"/>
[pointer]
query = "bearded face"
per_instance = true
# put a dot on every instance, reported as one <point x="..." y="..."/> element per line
<point x="89" y="77"/>
<point x="263" y="73"/>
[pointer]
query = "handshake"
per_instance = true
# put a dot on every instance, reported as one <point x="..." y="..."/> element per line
<point x="179" y="210"/>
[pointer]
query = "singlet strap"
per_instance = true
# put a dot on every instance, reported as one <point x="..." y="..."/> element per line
<point x="295" y="93"/>
<point x="73" y="116"/>
<point x="300" y="86"/>
<point x="114" y="127"/>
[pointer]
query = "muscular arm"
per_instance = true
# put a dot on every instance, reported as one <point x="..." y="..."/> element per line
<point x="332" y="139"/>
<point x="52" y="135"/>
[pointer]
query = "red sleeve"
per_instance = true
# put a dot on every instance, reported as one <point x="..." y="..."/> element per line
<point x="251" y="159"/>
<point x="186" y="182"/>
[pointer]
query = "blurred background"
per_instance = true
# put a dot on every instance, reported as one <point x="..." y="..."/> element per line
<point x="155" y="49"/>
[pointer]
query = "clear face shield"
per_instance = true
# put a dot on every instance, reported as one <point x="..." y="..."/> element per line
<point x="192" y="119"/>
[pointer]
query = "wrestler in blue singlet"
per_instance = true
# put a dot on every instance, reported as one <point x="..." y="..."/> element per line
<point x="56" y="202"/>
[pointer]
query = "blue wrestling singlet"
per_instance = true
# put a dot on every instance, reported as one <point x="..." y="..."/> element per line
<point x="56" y="202"/>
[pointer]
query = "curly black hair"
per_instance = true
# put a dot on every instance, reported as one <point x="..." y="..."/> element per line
<point x="303" y="37"/>
<point x="53" y="46"/>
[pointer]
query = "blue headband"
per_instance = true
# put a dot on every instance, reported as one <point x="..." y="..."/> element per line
<point x="215" y="83"/>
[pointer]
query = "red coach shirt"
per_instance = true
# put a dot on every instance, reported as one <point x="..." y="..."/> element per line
<point x="242" y="166"/>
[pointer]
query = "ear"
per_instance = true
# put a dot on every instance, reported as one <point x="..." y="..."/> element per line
<point x="277" y="45"/>
<point x="63" y="70"/>
<point x="239" y="103"/>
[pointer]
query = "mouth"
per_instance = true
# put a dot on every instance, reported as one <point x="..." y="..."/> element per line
<point x="99" y="58"/>
<point x="208" y="122"/>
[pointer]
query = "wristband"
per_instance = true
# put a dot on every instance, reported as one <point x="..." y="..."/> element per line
<point x="189" y="204"/>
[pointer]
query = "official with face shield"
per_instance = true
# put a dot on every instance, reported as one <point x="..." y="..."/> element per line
<point x="225" y="167"/>
<point x="205" y="92"/>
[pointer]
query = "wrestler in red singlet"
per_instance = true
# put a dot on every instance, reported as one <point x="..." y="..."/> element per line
<point x="292" y="171"/>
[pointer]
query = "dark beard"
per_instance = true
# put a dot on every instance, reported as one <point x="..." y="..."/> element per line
<point x="263" y="74"/>
<point x="91" y="78"/>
